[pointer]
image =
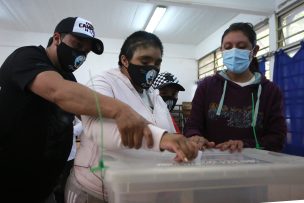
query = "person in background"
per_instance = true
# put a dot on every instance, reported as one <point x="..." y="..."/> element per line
<point x="238" y="107"/>
<point x="139" y="63"/>
<point x="39" y="97"/>
<point x="59" y="189"/>
<point x="168" y="87"/>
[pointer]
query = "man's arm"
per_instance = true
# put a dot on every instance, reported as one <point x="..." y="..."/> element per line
<point x="79" y="99"/>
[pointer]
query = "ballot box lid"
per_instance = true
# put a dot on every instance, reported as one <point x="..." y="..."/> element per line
<point x="147" y="167"/>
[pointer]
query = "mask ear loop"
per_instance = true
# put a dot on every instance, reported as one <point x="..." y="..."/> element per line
<point x="257" y="145"/>
<point x="251" y="56"/>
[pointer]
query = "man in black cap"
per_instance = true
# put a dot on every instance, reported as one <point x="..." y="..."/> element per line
<point x="39" y="97"/>
<point x="168" y="87"/>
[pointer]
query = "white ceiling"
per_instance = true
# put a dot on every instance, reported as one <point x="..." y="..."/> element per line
<point x="185" y="22"/>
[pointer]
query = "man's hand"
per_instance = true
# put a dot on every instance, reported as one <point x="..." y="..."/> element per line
<point x="184" y="149"/>
<point x="133" y="128"/>
<point x="202" y="142"/>
<point x="231" y="145"/>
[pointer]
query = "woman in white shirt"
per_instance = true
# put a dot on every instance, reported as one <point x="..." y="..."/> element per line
<point x="139" y="64"/>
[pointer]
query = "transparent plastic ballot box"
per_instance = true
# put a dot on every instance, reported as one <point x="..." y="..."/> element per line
<point x="213" y="177"/>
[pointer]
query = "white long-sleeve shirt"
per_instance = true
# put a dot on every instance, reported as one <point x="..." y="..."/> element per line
<point x="114" y="84"/>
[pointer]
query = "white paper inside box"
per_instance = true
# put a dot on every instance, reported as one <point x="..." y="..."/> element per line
<point x="214" y="176"/>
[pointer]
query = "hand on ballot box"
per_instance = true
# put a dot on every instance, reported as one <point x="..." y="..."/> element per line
<point x="177" y="143"/>
<point x="202" y="142"/>
<point x="231" y="145"/>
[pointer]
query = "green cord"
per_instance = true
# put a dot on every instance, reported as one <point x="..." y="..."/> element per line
<point x="101" y="165"/>
<point x="257" y="145"/>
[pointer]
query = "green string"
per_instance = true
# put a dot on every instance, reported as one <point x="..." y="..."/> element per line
<point x="257" y="145"/>
<point x="101" y="166"/>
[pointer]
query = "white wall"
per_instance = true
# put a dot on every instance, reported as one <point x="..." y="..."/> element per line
<point x="177" y="59"/>
<point x="11" y="40"/>
<point x="186" y="71"/>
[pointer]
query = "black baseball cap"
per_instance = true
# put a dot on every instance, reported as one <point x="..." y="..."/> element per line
<point x="80" y="27"/>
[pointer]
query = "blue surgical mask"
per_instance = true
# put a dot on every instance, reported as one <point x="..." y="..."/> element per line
<point x="237" y="60"/>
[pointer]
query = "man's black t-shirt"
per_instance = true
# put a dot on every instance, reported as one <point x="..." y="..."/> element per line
<point x="35" y="134"/>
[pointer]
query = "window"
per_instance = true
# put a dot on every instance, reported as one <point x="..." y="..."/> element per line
<point x="267" y="69"/>
<point x="262" y="31"/>
<point x="291" y="26"/>
<point x="206" y="66"/>
<point x="218" y="60"/>
<point x="263" y="39"/>
<point x="209" y="64"/>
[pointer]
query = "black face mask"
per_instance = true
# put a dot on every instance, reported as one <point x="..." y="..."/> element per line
<point x="70" y="59"/>
<point x="170" y="101"/>
<point x="143" y="76"/>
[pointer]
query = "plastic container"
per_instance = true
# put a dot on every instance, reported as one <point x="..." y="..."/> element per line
<point x="250" y="176"/>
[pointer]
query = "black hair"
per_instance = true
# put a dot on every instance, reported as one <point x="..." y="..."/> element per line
<point x="139" y="39"/>
<point x="248" y="30"/>
<point x="50" y="42"/>
<point x="51" y="39"/>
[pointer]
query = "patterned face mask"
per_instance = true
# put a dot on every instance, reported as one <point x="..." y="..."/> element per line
<point x="237" y="60"/>
<point x="170" y="101"/>
<point x="70" y="59"/>
<point x="143" y="75"/>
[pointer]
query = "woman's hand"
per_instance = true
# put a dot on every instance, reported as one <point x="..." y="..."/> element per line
<point x="184" y="149"/>
<point x="231" y="145"/>
<point x="202" y="142"/>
